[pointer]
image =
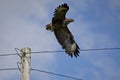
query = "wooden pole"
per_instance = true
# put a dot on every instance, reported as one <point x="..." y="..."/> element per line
<point x="25" y="63"/>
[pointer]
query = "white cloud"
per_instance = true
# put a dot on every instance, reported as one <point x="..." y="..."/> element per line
<point x="106" y="66"/>
<point x="18" y="31"/>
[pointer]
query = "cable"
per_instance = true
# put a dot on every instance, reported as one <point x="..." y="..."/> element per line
<point x="8" y="54"/>
<point x="47" y="51"/>
<point x="17" y="53"/>
<point x="8" y="69"/>
<point x="56" y="74"/>
<point x="99" y="49"/>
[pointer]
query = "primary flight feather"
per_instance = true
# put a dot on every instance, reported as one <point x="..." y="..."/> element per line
<point x="59" y="27"/>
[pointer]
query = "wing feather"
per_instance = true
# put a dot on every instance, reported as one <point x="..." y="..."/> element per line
<point x="66" y="39"/>
<point x="59" y="14"/>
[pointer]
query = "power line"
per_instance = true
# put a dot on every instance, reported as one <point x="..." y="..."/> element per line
<point x="16" y="49"/>
<point x="61" y="75"/>
<point x="99" y="49"/>
<point x="8" y="54"/>
<point x="6" y="69"/>
<point x="96" y="49"/>
<point x="56" y="74"/>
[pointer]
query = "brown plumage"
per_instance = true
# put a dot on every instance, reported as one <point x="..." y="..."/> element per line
<point x="59" y="27"/>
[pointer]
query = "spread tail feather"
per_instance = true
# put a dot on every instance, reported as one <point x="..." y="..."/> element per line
<point x="74" y="50"/>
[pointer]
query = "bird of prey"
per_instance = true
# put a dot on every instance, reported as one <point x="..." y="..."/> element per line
<point x="59" y="27"/>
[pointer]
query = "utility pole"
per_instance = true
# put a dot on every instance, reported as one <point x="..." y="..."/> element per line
<point x="25" y="63"/>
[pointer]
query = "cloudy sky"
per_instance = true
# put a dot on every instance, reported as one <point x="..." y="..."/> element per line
<point x="97" y="25"/>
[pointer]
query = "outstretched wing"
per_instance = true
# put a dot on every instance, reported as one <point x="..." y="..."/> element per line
<point x="59" y="14"/>
<point x="58" y="17"/>
<point x="66" y="39"/>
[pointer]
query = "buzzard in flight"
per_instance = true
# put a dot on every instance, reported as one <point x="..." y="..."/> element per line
<point x="59" y="27"/>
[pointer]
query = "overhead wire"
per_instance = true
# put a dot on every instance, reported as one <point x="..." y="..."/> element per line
<point x="6" y="69"/>
<point x="38" y="70"/>
<point x="61" y="75"/>
<point x="95" y="49"/>
<point x="17" y="53"/>
<point x="100" y="49"/>
<point x="8" y="54"/>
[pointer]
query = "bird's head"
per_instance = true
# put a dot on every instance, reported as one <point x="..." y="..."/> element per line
<point x="68" y="20"/>
<point x="49" y="27"/>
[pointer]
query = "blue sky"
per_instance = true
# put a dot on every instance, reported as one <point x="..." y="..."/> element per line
<point x="97" y="25"/>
